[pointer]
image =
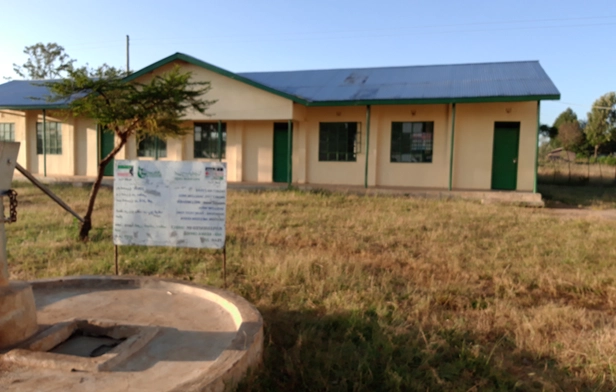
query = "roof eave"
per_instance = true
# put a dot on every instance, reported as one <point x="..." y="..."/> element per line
<point x="422" y="101"/>
<point x="33" y="107"/>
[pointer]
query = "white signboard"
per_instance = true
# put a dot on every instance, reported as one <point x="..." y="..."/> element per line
<point x="179" y="204"/>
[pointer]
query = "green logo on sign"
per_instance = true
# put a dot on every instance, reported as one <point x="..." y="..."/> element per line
<point x="143" y="173"/>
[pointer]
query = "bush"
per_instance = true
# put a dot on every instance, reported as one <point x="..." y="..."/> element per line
<point x="605" y="160"/>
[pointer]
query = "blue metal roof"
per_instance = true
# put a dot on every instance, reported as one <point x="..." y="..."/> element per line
<point x="447" y="82"/>
<point x="524" y="80"/>
<point x="26" y="94"/>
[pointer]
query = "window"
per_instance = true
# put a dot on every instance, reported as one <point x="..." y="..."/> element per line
<point x="53" y="138"/>
<point x="206" y="140"/>
<point x="7" y="132"/>
<point x="152" y="146"/>
<point x="411" y="141"/>
<point x="338" y="142"/>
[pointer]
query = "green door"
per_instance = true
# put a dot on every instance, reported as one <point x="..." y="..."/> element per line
<point x="107" y="144"/>
<point x="505" y="155"/>
<point x="281" y="152"/>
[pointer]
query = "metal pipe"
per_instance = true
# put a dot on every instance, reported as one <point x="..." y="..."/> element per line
<point x="44" y="143"/>
<point x="46" y="191"/>
<point x="453" y="129"/>
<point x="367" y="144"/>
<point x="4" y="272"/>
<point x="537" y="146"/>
<point x="219" y="141"/>
<point x="289" y="153"/>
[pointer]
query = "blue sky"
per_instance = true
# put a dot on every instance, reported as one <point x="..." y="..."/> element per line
<point x="575" y="41"/>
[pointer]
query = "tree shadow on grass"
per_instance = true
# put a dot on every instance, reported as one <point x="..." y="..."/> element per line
<point x="306" y="351"/>
<point x="557" y="196"/>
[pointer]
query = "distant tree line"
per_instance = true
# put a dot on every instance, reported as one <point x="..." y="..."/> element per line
<point x="593" y="137"/>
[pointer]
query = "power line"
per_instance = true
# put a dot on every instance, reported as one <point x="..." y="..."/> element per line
<point x="321" y="32"/>
<point x="312" y="34"/>
<point x="210" y="39"/>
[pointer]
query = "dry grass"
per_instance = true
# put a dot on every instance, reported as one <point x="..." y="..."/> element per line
<point x="382" y="293"/>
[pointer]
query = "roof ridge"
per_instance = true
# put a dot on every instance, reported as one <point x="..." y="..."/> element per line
<point x="393" y="67"/>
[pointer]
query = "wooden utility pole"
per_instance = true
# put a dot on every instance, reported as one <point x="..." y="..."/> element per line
<point x="127" y="54"/>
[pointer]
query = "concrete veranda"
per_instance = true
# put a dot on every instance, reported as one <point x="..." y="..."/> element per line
<point x="528" y="199"/>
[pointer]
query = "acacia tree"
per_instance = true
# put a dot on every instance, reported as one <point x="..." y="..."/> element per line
<point x="128" y="108"/>
<point x="46" y="61"/>
<point x="601" y="125"/>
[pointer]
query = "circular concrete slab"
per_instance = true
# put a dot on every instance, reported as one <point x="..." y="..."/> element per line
<point x="174" y="336"/>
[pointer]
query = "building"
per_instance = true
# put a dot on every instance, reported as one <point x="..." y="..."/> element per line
<point x="461" y="127"/>
<point x="562" y="155"/>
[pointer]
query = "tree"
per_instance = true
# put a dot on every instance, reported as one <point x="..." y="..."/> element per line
<point x="601" y="125"/>
<point x="46" y="61"/>
<point x="567" y="116"/>
<point x="570" y="135"/>
<point x="127" y="108"/>
<point x="548" y="131"/>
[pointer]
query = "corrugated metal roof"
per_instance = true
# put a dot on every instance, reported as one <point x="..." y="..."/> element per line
<point x="525" y="80"/>
<point x="25" y="94"/>
<point x="486" y="80"/>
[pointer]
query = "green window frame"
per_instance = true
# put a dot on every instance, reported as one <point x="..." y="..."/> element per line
<point x="338" y="141"/>
<point x="7" y="132"/>
<point x="53" y="138"/>
<point x="152" y="147"/>
<point x="412" y="142"/>
<point x="206" y="140"/>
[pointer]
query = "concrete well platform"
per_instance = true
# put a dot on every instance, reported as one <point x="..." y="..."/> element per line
<point x="166" y="335"/>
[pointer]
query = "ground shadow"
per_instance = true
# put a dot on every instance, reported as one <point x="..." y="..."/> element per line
<point x="574" y="197"/>
<point x="308" y="351"/>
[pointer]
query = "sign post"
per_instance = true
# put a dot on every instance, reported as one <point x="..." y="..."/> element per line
<point x="166" y="203"/>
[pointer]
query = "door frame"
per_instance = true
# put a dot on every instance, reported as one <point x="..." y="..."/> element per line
<point x="506" y="125"/>
<point x="101" y="135"/>
<point x="289" y="162"/>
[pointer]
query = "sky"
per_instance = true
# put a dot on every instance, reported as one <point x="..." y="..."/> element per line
<point x="575" y="41"/>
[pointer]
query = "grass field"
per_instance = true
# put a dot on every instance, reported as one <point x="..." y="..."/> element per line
<point x="381" y="293"/>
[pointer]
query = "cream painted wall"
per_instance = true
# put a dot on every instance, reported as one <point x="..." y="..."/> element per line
<point x="474" y="138"/>
<point x="300" y="150"/>
<point x="32" y="157"/>
<point x="86" y="161"/>
<point x="299" y="112"/>
<point x="250" y="146"/>
<point x="258" y="158"/>
<point x="19" y="121"/>
<point x="129" y="151"/>
<point x="234" y="150"/>
<point x="429" y="175"/>
<point x="235" y="100"/>
<point x="343" y="173"/>
<point x="62" y="164"/>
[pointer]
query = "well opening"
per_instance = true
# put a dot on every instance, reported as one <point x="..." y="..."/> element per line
<point x="82" y="343"/>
